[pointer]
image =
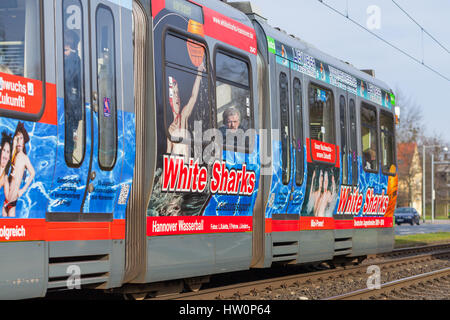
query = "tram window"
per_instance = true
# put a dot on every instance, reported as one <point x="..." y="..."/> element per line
<point x="20" y="38"/>
<point x="234" y="105"/>
<point x="74" y="111"/>
<point x="298" y="131"/>
<point x="387" y="142"/>
<point x="106" y="80"/>
<point x="285" y="135"/>
<point x="321" y="114"/>
<point x="353" y="141"/>
<point x="187" y="92"/>
<point x="344" y="151"/>
<point x="369" y="137"/>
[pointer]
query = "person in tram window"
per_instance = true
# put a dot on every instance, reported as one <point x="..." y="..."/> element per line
<point x="178" y="129"/>
<point x="232" y="126"/>
<point x="369" y="160"/>
<point x="72" y="91"/>
<point x="231" y="120"/>
<point x="19" y="164"/>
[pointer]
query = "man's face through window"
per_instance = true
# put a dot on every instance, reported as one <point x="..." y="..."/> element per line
<point x="233" y="122"/>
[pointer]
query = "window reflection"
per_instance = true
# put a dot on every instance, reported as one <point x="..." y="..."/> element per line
<point x="387" y="141"/>
<point x="353" y="141"/>
<point x="298" y="131"/>
<point x="20" y="44"/>
<point x="344" y="151"/>
<point x="187" y="94"/>
<point x="321" y="114"/>
<point x="369" y="137"/>
<point x="106" y="79"/>
<point x="234" y="107"/>
<point x="285" y="133"/>
<point x="74" y="114"/>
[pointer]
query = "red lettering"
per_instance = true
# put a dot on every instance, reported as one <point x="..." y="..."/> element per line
<point x="195" y="177"/>
<point x="231" y="182"/>
<point x="170" y="173"/>
<point x="244" y="178"/>
<point x="183" y="176"/>
<point x="251" y="179"/>
<point x="367" y="201"/>
<point x="216" y="181"/>
<point x="239" y="177"/>
<point x="202" y="179"/>
<point x="224" y="179"/>
<point x="358" y="206"/>
<point x="343" y="198"/>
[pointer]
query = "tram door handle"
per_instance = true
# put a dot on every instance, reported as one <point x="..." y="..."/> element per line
<point x="291" y="197"/>
<point x="95" y="101"/>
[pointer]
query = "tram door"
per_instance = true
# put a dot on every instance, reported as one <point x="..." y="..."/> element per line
<point x="353" y="174"/>
<point x="347" y="137"/>
<point x="89" y="113"/>
<point x="107" y="100"/>
<point x="290" y="150"/>
<point x="297" y="141"/>
<point x="282" y="153"/>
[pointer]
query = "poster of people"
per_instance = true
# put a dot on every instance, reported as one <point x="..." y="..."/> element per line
<point x="186" y="100"/>
<point x="322" y="190"/>
<point x="199" y="177"/>
<point x="17" y="172"/>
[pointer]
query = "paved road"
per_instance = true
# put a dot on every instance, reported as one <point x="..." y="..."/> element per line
<point x="427" y="227"/>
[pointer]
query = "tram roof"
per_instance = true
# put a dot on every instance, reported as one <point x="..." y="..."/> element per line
<point x="226" y="9"/>
<point x="296" y="42"/>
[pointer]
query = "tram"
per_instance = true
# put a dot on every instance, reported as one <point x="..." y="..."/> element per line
<point x="147" y="145"/>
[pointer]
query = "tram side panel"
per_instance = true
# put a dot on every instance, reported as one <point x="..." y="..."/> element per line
<point x="28" y="144"/>
<point x="96" y="141"/>
<point x="45" y="216"/>
<point x="199" y="218"/>
<point x="293" y="235"/>
<point x="359" y="211"/>
<point x="374" y="231"/>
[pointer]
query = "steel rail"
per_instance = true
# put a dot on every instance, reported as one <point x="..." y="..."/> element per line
<point x="406" y="250"/>
<point x="388" y="287"/>
<point x="298" y="279"/>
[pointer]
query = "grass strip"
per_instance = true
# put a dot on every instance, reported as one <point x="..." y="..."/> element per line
<point x="422" y="239"/>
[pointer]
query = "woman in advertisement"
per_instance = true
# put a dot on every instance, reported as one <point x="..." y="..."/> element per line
<point x="19" y="163"/>
<point x="179" y="126"/>
<point x="5" y="163"/>
<point x="322" y="193"/>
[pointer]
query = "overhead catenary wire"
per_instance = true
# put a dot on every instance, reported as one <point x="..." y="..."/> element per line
<point x="387" y="42"/>
<point x="421" y="27"/>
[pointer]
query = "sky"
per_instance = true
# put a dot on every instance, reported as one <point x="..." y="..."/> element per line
<point x="332" y="33"/>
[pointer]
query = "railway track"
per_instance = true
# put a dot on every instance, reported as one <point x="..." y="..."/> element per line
<point x="401" y="252"/>
<point x="410" y="287"/>
<point x="331" y="282"/>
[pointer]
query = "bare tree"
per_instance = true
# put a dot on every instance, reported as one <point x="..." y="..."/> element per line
<point x="412" y="133"/>
<point x="411" y="127"/>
